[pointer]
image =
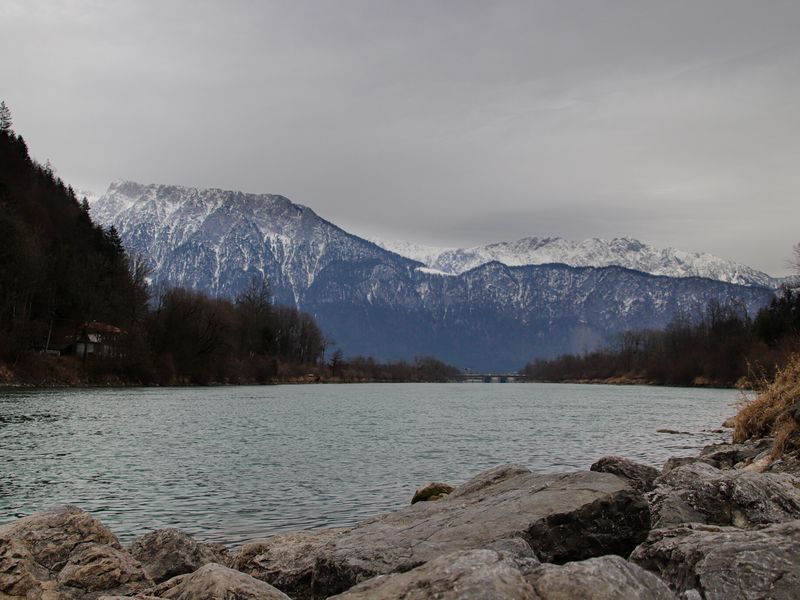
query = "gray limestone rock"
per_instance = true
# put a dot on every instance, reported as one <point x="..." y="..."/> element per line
<point x="640" y="476"/>
<point x="726" y="563"/>
<point x="726" y="456"/>
<point x="165" y="553"/>
<point x="285" y="560"/>
<point x="562" y="517"/>
<point x="603" y="578"/>
<point x="678" y="461"/>
<point x="490" y="575"/>
<point x="216" y="582"/>
<point x="64" y="553"/>
<point x="463" y="575"/>
<point x="700" y="493"/>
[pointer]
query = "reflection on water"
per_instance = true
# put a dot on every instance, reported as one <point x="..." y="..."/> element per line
<point x="229" y="464"/>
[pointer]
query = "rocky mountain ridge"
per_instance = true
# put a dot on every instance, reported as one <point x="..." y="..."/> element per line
<point x="376" y="302"/>
<point x="595" y="252"/>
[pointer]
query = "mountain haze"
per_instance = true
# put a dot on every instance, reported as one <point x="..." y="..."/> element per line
<point x="483" y="314"/>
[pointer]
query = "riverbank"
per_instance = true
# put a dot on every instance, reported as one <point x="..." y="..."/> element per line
<point x="36" y="370"/>
<point x="720" y="523"/>
<point x="724" y="523"/>
<point x="621" y="530"/>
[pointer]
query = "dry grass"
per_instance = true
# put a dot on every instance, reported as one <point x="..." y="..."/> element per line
<point x="770" y="414"/>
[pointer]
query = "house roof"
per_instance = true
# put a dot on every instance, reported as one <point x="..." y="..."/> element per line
<point x="98" y="327"/>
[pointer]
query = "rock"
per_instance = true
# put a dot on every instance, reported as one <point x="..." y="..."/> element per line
<point x="490" y="575"/>
<point x="603" y="578"/>
<point x="639" y="476"/>
<point x="463" y="575"/>
<point x="725" y="563"/>
<point x="286" y="560"/>
<point x="562" y="517"/>
<point x="216" y="582"/>
<point x="20" y="574"/>
<point x="97" y="567"/>
<point x="137" y="597"/>
<point x="699" y="493"/>
<point x="726" y="456"/>
<point x="729" y="423"/>
<point x="165" y="553"/>
<point x="789" y="462"/>
<point x="433" y="491"/>
<point x="65" y="553"/>
<point x="678" y="461"/>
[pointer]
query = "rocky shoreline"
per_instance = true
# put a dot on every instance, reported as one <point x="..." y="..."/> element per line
<point x="721" y="525"/>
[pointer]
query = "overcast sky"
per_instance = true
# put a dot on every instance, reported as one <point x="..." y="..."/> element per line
<point x="446" y="123"/>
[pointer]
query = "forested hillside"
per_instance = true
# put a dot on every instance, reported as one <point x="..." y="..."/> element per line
<point x="725" y="347"/>
<point x="57" y="268"/>
<point x="75" y="308"/>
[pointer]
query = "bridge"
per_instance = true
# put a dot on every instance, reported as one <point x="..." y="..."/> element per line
<point x="470" y="377"/>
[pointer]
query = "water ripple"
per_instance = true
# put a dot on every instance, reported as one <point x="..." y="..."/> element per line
<point x="231" y="464"/>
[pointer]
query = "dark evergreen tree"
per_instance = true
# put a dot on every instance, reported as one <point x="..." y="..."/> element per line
<point x="5" y="118"/>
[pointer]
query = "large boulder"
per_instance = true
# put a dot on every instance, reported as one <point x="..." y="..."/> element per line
<point x="639" y="476"/>
<point x="463" y="575"/>
<point x="65" y="553"/>
<point x="700" y="493"/>
<point x="165" y="553"/>
<point x="562" y="517"/>
<point x="726" y="563"/>
<point x="491" y="575"/>
<point x="285" y="560"/>
<point x="603" y="578"/>
<point x="216" y="582"/>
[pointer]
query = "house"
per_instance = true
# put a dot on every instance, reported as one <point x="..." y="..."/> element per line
<point x="97" y="339"/>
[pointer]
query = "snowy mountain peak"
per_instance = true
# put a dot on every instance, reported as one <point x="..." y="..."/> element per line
<point x="495" y="306"/>
<point x="217" y="240"/>
<point x="594" y="252"/>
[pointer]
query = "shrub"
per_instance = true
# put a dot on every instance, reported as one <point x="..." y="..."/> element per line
<point x="773" y="412"/>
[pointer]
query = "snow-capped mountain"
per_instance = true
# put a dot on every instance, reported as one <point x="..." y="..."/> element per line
<point x="376" y="302"/>
<point x="217" y="241"/>
<point x="595" y="252"/>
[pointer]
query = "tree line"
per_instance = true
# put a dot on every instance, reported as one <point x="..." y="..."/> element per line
<point x="724" y="347"/>
<point x="60" y="274"/>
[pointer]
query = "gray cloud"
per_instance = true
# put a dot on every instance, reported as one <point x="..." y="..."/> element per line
<point x="449" y="122"/>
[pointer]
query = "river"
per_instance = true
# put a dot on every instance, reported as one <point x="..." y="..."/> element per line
<point x="228" y="464"/>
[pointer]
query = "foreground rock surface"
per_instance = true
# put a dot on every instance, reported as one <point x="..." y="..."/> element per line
<point x="562" y="517"/>
<point x="725" y="563"/>
<point x="491" y="575"/>
<point x="464" y="575"/>
<point x="285" y="561"/>
<point x="216" y="582"/>
<point x="639" y="476"/>
<point x="604" y="578"/>
<point x="166" y="553"/>
<point x="700" y="493"/>
<point x="64" y="553"/>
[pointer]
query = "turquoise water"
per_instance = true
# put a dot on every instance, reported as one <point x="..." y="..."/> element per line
<point x="233" y="463"/>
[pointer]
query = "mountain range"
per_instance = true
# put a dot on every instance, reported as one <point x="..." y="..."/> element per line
<point x="491" y="307"/>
